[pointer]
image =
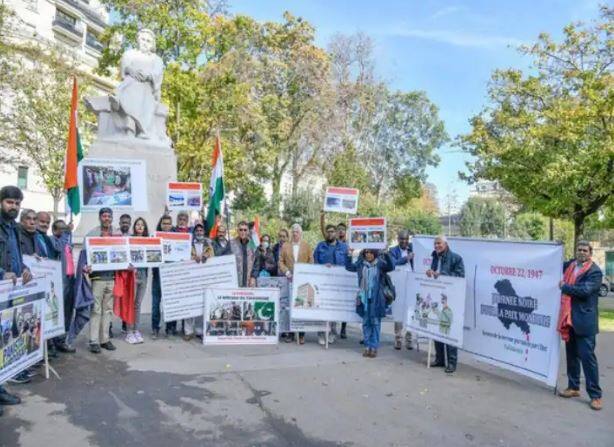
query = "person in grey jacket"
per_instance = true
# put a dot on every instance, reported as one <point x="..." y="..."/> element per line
<point x="447" y="263"/>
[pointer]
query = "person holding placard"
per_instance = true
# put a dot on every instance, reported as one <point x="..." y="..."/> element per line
<point x="447" y="263"/>
<point x="201" y="251"/>
<point x="221" y="246"/>
<point x="133" y="335"/>
<point x="402" y="254"/>
<point x="371" y="266"/>
<point x="102" y="288"/>
<point x="294" y="252"/>
<point x="244" y="254"/>
<point x="164" y="224"/>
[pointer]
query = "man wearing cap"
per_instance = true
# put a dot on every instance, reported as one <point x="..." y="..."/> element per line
<point x="102" y="288"/>
<point x="11" y="261"/>
<point x="447" y="263"/>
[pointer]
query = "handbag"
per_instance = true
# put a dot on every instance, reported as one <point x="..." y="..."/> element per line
<point x="388" y="289"/>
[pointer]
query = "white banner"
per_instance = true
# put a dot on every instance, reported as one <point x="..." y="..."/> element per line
<point x="54" y="302"/>
<point x="512" y="303"/>
<point x="184" y="283"/>
<point x="324" y="293"/>
<point x="399" y="280"/>
<point x="436" y="307"/>
<point x="116" y="183"/>
<point x="22" y="324"/>
<point x="241" y="316"/>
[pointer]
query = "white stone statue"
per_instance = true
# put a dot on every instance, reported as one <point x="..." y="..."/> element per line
<point x="135" y="111"/>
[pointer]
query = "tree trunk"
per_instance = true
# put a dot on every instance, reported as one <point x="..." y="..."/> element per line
<point x="295" y="176"/>
<point x="578" y="229"/>
<point x="276" y="187"/>
<point x="56" y="205"/>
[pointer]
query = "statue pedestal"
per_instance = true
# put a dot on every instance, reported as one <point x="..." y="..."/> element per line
<point x="161" y="168"/>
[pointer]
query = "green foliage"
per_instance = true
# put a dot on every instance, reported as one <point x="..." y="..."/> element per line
<point x="482" y="217"/>
<point x="346" y="170"/>
<point x="303" y="207"/>
<point x="548" y="135"/>
<point x="529" y="226"/>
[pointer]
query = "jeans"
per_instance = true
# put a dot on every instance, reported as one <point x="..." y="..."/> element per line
<point x="581" y="350"/>
<point x="141" y="287"/>
<point x="156" y="301"/>
<point x="452" y="352"/>
<point x="371" y="328"/>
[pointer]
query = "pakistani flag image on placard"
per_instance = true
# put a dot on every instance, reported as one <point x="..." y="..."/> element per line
<point x="264" y="310"/>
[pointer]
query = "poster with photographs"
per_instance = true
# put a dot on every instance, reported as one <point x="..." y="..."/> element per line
<point x="241" y="316"/>
<point x="281" y="283"/>
<point x="54" y="300"/>
<point x="368" y="232"/>
<point x="341" y="200"/>
<point x="114" y="183"/>
<point x="22" y="324"/>
<point x="145" y="251"/>
<point x="175" y="246"/>
<point x="184" y="196"/>
<point x="107" y="253"/>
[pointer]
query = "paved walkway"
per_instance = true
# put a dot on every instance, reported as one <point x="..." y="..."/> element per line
<point x="173" y="393"/>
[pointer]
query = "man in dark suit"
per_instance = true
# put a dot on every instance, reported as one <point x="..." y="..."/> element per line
<point x="447" y="263"/>
<point x="582" y="279"/>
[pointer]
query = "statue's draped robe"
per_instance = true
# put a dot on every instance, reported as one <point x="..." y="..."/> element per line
<point x="139" y="99"/>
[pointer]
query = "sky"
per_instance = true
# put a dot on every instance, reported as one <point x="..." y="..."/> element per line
<point x="446" y="48"/>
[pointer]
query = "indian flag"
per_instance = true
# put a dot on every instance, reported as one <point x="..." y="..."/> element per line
<point x="254" y="241"/>
<point x="74" y="154"/>
<point x="216" y="189"/>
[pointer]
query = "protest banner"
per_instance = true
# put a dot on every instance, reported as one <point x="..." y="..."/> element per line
<point x="175" y="246"/>
<point x="241" y="316"/>
<point x="281" y="283"/>
<point x="54" y="300"/>
<point x="324" y="293"/>
<point x="341" y="200"/>
<point x="184" y="196"/>
<point x="399" y="305"/>
<point x="22" y="324"/>
<point x="368" y="232"/>
<point x="116" y="183"/>
<point x="145" y="251"/>
<point x="435" y="307"/>
<point x="512" y="304"/>
<point x="183" y="284"/>
<point x="107" y="253"/>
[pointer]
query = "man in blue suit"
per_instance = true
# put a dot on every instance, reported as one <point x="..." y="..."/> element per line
<point x="447" y="263"/>
<point x="582" y="281"/>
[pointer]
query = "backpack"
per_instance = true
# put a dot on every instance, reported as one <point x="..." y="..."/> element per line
<point x="388" y="289"/>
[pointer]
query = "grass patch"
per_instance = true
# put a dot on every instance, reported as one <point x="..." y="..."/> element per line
<point x="606" y="320"/>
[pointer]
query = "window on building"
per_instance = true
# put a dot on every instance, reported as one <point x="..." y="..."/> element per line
<point x="61" y="16"/>
<point x="22" y="177"/>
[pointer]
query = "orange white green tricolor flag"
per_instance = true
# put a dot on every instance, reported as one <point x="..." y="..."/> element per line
<point x="254" y="241"/>
<point x="74" y="154"/>
<point x="216" y="189"/>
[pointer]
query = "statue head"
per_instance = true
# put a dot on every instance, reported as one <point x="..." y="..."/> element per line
<point x="146" y="40"/>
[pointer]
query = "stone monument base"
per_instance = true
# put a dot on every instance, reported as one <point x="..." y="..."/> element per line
<point x="161" y="168"/>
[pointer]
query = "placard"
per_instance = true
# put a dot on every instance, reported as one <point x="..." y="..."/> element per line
<point x="22" y="325"/>
<point x="324" y="293"/>
<point x="54" y="300"/>
<point x="176" y="247"/>
<point x="436" y="307"/>
<point x="399" y="305"/>
<point x="241" y="316"/>
<point x="184" y="196"/>
<point x="513" y="301"/>
<point x="368" y="232"/>
<point x="107" y="253"/>
<point x="184" y="283"/>
<point x="145" y="251"/>
<point x="341" y="200"/>
<point x="115" y="183"/>
<point x="281" y="283"/>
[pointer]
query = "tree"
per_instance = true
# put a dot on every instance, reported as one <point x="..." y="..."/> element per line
<point x="548" y="136"/>
<point x="482" y="217"/>
<point x="529" y="226"/>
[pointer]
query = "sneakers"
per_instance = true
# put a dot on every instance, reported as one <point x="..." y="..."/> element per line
<point x="21" y="378"/>
<point x="95" y="348"/>
<point x="131" y="339"/>
<point x="139" y="337"/>
<point x="108" y="346"/>
<point x="66" y="348"/>
<point x="569" y="392"/>
<point x="596" y="404"/>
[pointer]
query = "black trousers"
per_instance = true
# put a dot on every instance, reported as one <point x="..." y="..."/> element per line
<point x="452" y="353"/>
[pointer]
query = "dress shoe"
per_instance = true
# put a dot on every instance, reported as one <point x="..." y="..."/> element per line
<point x="21" y="378"/>
<point x="7" y="398"/>
<point x="373" y="353"/>
<point x="569" y="392"/>
<point x="450" y="369"/>
<point x="108" y="346"/>
<point x="437" y="364"/>
<point x="65" y="347"/>
<point x="95" y="348"/>
<point x="596" y="404"/>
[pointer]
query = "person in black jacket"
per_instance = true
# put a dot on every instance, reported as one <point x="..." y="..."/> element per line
<point x="581" y="283"/>
<point x="447" y="263"/>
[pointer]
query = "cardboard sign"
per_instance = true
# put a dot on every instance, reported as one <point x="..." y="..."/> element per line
<point x="175" y="246"/>
<point x="341" y="200"/>
<point x="368" y="232"/>
<point x="184" y="196"/>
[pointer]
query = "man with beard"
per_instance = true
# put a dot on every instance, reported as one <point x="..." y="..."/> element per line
<point x="221" y="246"/>
<point x="11" y="261"/>
<point x="27" y="226"/>
<point x="43" y="222"/>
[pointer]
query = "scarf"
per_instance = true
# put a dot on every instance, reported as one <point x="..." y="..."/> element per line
<point x="367" y="283"/>
<point x="570" y="277"/>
